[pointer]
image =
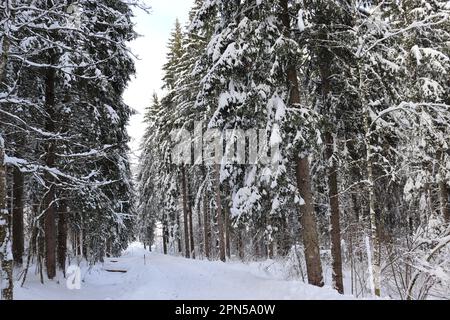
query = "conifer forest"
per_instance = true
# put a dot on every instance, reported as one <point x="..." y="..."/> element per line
<point x="294" y="149"/>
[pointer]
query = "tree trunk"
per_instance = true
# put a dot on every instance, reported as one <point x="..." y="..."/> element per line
<point x="4" y="54"/>
<point x="85" y="246"/>
<point x="191" y="223"/>
<point x="227" y="233"/>
<point x="207" y="228"/>
<point x="270" y="250"/>
<point x="325" y="58"/>
<point x="178" y="234"/>
<point x="40" y="254"/>
<point x="185" y="212"/>
<point x="241" y="244"/>
<point x="49" y="200"/>
<point x="6" y="263"/>
<point x="220" y="222"/>
<point x="17" y="217"/>
<point x="284" y="241"/>
<point x="335" y="230"/>
<point x="62" y="236"/>
<point x="32" y="243"/>
<point x="308" y="219"/>
<point x="77" y="238"/>
<point x="443" y="190"/>
<point x="375" y="244"/>
<point x="200" y="236"/>
<point x="108" y="248"/>
<point x="165" y="235"/>
<point x="309" y="224"/>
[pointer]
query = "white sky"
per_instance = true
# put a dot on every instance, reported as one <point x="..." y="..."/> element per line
<point x="155" y="29"/>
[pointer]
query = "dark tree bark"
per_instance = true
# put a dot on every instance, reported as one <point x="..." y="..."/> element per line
<point x="62" y="236"/>
<point x="284" y="243"/>
<point x="333" y="196"/>
<point x="32" y="242"/>
<point x="227" y="233"/>
<point x="200" y="236"/>
<point x="108" y="248"/>
<point x="307" y="219"/>
<point x="178" y="234"/>
<point x="309" y="224"/>
<point x="444" y="201"/>
<point x="207" y="227"/>
<point x="4" y="55"/>
<point x="335" y="230"/>
<point x="191" y="223"/>
<point x="374" y="246"/>
<point x="84" y="244"/>
<point x="191" y="234"/>
<point x="165" y="236"/>
<point x="257" y="249"/>
<point x="50" y="157"/>
<point x="443" y="189"/>
<point x="220" y="222"/>
<point x="185" y="212"/>
<point x="241" y="244"/>
<point x="270" y="250"/>
<point x="76" y="243"/>
<point x="6" y="263"/>
<point x="17" y="217"/>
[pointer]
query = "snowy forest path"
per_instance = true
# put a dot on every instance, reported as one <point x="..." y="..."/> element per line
<point x="153" y="276"/>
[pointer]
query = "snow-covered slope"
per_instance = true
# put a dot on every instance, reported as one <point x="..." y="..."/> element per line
<point x="157" y="276"/>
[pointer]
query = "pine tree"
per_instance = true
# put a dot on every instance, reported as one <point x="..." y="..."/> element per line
<point x="81" y="158"/>
<point x="6" y="262"/>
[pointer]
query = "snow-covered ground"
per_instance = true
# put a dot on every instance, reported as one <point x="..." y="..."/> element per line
<point x="155" y="276"/>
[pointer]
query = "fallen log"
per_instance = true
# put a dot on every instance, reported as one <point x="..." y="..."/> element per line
<point x="118" y="271"/>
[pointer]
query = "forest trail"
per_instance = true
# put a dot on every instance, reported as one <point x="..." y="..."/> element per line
<point x="158" y="277"/>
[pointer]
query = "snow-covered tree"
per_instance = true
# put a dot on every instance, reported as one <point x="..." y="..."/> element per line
<point x="6" y="265"/>
<point x="66" y="67"/>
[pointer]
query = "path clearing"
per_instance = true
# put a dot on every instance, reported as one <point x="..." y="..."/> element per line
<point x="158" y="277"/>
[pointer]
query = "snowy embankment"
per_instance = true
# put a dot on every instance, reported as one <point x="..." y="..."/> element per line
<point x="153" y="276"/>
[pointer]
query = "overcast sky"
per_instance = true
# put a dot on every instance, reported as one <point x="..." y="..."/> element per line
<point x="154" y="29"/>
